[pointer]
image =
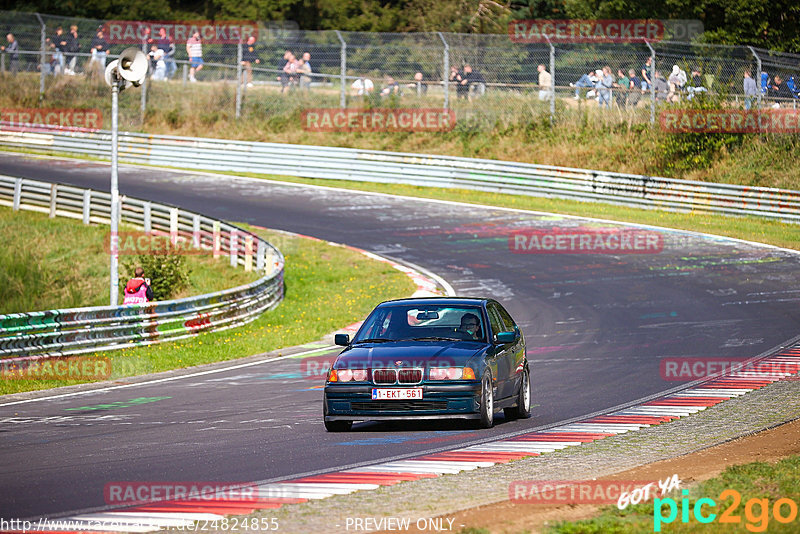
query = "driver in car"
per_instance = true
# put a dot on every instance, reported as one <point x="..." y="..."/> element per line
<point x="470" y="327"/>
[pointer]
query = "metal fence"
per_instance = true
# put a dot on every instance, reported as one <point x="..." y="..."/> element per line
<point x="82" y="330"/>
<point x="421" y="170"/>
<point x="507" y="88"/>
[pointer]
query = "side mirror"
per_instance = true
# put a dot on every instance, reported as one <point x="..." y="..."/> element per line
<point x="342" y="339"/>
<point x="506" y="337"/>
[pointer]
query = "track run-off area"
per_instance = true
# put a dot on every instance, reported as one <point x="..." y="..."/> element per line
<point x="601" y="329"/>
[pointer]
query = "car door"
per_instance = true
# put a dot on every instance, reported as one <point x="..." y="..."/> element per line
<point x="504" y="353"/>
<point x="517" y="351"/>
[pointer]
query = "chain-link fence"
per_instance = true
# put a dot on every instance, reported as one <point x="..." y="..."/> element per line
<point x="483" y="79"/>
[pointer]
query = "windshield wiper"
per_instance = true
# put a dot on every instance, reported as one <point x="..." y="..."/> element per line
<point x="435" y="338"/>
<point x="373" y="340"/>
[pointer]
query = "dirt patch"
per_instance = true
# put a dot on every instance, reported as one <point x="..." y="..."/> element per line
<point x="509" y="517"/>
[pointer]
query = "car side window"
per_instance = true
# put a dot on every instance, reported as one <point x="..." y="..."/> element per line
<point x="509" y="322"/>
<point x="494" y="320"/>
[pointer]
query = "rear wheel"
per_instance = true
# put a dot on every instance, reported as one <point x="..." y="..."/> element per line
<point x="523" y="408"/>
<point x="487" y="402"/>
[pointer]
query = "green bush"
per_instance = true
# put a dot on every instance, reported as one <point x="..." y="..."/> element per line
<point x="167" y="271"/>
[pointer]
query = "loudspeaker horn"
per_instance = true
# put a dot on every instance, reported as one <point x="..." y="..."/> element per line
<point x="133" y="65"/>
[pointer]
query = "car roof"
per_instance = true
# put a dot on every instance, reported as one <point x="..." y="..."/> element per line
<point x="439" y="301"/>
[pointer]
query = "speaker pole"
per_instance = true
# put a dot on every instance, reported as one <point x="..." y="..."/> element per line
<point x="114" y="192"/>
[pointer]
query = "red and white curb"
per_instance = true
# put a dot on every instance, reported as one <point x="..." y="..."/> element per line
<point x="179" y="514"/>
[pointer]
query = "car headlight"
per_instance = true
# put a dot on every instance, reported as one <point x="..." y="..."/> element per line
<point x="451" y="373"/>
<point x="347" y="375"/>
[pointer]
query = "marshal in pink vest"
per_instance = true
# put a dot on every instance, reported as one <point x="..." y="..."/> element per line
<point x="135" y="292"/>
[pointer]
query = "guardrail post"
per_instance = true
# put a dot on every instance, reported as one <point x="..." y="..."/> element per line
<point x="196" y="231"/>
<point x="446" y="71"/>
<point x="42" y="46"/>
<point x="239" y="79"/>
<point x="148" y="218"/>
<point x="260" y="253"/>
<point x="217" y="240"/>
<point x="17" y="193"/>
<point x="53" y="200"/>
<point x="652" y="84"/>
<point x="342" y="70"/>
<point x="233" y="241"/>
<point x="173" y="226"/>
<point x="248" y="253"/>
<point x="87" y="206"/>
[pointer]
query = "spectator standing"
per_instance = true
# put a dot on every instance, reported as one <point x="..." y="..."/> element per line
<point x="303" y="70"/>
<point x="646" y="81"/>
<point x="475" y="82"/>
<point x="307" y="60"/>
<point x="635" y="93"/>
<point x="194" y="48"/>
<point x="283" y="77"/>
<point x="750" y="89"/>
<point x="73" y="46"/>
<point x="168" y="47"/>
<point x="138" y="290"/>
<point x="780" y="90"/>
<point x="12" y="49"/>
<point x="661" y="87"/>
<point x="290" y="69"/>
<point x="99" y="53"/>
<point x="622" y="86"/>
<point x="159" y="64"/>
<point x="604" y="88"/>
<point x="58" y="43"/>
<point x="545" y="84"/>
<point x="456" y="77"/>
<point x="250" y="57"/>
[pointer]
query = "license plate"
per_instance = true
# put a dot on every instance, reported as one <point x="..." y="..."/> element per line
<point x="397" y="394"/>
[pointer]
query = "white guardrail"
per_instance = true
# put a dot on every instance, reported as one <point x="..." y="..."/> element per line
<point x="81" y="330"/>
<point x="416" y="169"/>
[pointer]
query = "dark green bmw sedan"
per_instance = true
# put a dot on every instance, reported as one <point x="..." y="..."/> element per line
<point x="430" y="358"/>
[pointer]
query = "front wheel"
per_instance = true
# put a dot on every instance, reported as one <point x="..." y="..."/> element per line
<point x="523" y="408"/>
<point x="487" y="402"/>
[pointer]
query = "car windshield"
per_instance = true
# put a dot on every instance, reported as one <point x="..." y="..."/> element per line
<point x="423" y="322"/>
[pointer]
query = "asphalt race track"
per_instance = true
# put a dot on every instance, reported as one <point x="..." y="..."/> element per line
<point x="598" y="328"/>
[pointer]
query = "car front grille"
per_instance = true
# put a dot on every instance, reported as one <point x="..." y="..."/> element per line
<point x="405" y="405"/>
<point x="409" y="376"/>
<point x="384" y="376"/>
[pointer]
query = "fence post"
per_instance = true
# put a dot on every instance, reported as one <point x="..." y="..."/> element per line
<point x="757" y="76"/>
<point x="248" y="253"/>
<point x="652" y="83"/>
<point x="42" y="57"/>
<point x="342" y="71"/>
<point x="87" y="206"/>
<point x="446" y="71"/>
<point x="196" y="231"/>
<point x="148" y="218"/>
<point x="239" y="79"/>
<point x="185" y="73"/>
<point x="173" y="226"/>
<point x="552" y="80"/>
<point x="260" y="251"/>
<point x="217" y="239"/>
<point x="234" y="247"/>
<point x="143" y="104"/>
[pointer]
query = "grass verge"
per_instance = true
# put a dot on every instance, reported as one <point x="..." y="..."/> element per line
<point x="327" y="287"/>
<point x="62" y="263"/>
<point x="759" y="485"/>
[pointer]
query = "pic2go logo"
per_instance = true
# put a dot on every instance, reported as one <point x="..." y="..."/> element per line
<point x="756" y="511"/>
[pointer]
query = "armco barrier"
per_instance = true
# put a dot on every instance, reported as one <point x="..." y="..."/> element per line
<point x="82" y="330"/>
<point x="415" y="169"/>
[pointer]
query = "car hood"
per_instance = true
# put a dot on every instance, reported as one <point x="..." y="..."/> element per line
<point x="410" y="354"/>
